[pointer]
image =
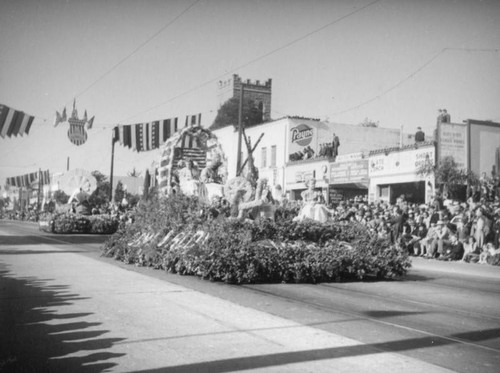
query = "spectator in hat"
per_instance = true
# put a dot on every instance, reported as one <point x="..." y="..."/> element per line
<point x="446" y="118"/>
<point x="440" y="116"/>
<point x="419" y="135"/>
<point x="442" y="239"/>
<point x="454" y="250"/>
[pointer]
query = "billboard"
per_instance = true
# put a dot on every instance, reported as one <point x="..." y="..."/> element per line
<point x="484" y="147"/>
<point x="303" y="137"/>
<point x="349" y="172"/>
<point x="407" y="161"/>
<point x="453" y="141"/>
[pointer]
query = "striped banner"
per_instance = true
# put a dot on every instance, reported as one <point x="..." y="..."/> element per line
<point x="145" y="136"/>
<point x="14" y="122"/>
<point x="27" y="180"/>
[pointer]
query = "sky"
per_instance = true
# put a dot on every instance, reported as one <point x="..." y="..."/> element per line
<point x="395" y="62"/>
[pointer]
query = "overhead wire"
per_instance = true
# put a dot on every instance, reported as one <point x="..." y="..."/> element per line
<point x="412" y="74"/>
<point x="265" y="55"/>
<point x="139" y="47"/>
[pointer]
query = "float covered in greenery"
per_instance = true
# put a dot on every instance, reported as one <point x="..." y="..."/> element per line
<point x="68" y="223"/>
<point x="180" y="235"/>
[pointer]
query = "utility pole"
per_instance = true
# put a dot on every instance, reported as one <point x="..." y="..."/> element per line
<point x="112" y="162"/>
<point x="39" y="207"/>
<point x="240" y="131"/>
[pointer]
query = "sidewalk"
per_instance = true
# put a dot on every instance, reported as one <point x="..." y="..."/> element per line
<point x="65" y="312"/>
<point x="458" y="268"/>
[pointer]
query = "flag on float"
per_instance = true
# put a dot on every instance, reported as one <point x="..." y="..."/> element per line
<point x="14" y="122"/>
<point x="90" y="123"/>
<point x="193" y="120"/>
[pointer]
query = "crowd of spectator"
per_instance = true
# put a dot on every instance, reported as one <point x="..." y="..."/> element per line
<point x="443" y="229"/>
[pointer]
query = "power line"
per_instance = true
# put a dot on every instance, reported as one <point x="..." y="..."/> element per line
<point x="142" y="45"/>
<point x="294" y="41"/>
<point x="412" y="74"/>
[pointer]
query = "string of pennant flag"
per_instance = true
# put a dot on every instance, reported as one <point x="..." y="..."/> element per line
<point x="151" y="135"/>
<point x="139" y="137"/>
<point x="26" y="180"/>
<point x="14" y="122"/>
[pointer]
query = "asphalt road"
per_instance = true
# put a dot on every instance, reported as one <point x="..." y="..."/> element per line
<point x="442" y="315"/>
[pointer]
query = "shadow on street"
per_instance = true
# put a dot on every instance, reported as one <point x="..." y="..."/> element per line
<point x="281" y="359"/>
<point x="36" y="338"/>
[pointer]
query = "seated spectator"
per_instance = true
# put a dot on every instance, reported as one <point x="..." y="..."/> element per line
<point x="417" y="240"/>
<point x="441" y="241"/>
<point x="471" y="251"/>
<point x="454" y="250"/>
<point x="487" y="253"/>
<point x="494" y="255"/>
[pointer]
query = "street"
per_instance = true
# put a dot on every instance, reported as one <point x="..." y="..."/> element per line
<point x="63" y="308"/>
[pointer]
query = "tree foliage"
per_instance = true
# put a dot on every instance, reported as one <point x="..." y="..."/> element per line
<point x="100" y="196"/>
<point x="448" y="176"/>
<point x="61" y="197"/>
<point x="119" y="192"/>
<point x="369" y="123"/>
<point x="228" y="114"/>
<point x="134" y="173"/>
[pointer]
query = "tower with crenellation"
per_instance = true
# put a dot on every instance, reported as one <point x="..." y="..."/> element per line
<point x="254" y="90"/>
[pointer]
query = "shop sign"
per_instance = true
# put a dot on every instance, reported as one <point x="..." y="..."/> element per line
<point x="406" y="161"/>
<point x="334" y="196"/>
<point x="452" y="141"/>
<point x="302" y="137"/>
<point x="349" y="172"/>
<point x="303" y="176"/>
<point x="350" y="157"/>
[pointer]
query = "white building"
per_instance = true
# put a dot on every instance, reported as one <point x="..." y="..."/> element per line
<point x="394" y="172"/>
<point x="275" y="141"/>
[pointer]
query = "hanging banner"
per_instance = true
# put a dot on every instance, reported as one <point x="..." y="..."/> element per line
<point x="148" y="136"/>
<point x="76" y="133"/>
<point x="14" y="122"/>
<point x="27" y="180"/>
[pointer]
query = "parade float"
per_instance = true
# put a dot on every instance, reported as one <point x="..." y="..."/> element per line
<point x="75" y="216"/>
<point x="202" y="224"/>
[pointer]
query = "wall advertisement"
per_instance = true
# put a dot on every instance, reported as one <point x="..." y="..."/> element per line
<point x="484" y="147"/>
<point x="453" y="141"/>
<point x="406" y="161"/>
<point x="349" y="172"/>
<point x="302" y="137"/>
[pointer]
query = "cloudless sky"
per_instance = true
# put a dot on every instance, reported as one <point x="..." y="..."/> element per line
<point x="395" y="61"/>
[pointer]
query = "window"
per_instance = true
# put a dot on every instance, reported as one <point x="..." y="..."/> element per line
<point x="384" y="191"/>
<point x="263" y="162"/>
<point x="273" y="156"/>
